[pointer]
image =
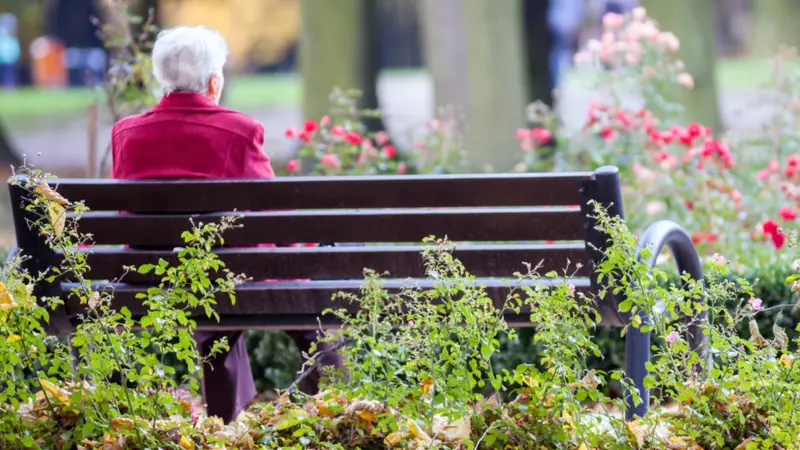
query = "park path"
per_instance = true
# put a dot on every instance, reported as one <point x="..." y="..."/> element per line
<point x="62" y="146"/>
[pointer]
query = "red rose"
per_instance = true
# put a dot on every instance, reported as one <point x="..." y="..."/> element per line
<point x="381" y="137"/>
<point x="310" y="126"/>
<point x="623" y="118"/>
<point x="607" y="133"/>
<point x="290" y="133"/>
<point x="330" y="160"/>
<point x="293" y="165"/>
<point x="769" y="226"/>
<point x="773" y="166"/>
<point x="338" y="131"/>
<point x="787" y="213"/>
<point x="389" y="151"/>
<point x="778" y="239"/>
<point x="305" y="137"/>
<point x="541" y="135"/>
<point x="353" y="138"/>
<point x="694" y="130"/>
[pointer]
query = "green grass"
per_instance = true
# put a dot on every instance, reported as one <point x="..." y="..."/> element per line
<point x="244" y="92"/>
<point x="264" y="91"/>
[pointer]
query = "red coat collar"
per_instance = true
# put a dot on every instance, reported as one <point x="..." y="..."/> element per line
<point x="185" y="100"/>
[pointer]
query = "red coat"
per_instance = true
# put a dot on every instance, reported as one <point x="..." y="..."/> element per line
<point x="187" y="136"/>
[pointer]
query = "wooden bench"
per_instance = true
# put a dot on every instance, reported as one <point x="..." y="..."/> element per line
<point x="538" y="217"/>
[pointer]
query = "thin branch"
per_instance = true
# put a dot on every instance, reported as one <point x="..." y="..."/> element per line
<point x="317" y="357"/>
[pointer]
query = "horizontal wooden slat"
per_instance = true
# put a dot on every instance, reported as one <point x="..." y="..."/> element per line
<point x="413" y="191"/>
<point x="297" y="304"/>
<point x="326" y="263"/>
<point x="509" y="224"/>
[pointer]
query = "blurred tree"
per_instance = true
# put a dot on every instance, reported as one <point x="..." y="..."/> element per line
<point x="497" y="91"/>
<point x="693" y="22"/>
<point x="775" y="24"/>
<point x="338" y="49"/>
<point x="444" y="50"/>
<point x="30" y="21"/>
<point x="538" y="43"/>
<point x="259" y="32"/>
<point x="474" y="51"/>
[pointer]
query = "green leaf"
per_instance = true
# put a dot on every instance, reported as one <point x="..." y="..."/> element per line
<point x="290" y="419"/>
<point x="625" y="305"/>
<point x="146" y="268"/>
<point x="78" y="341"/>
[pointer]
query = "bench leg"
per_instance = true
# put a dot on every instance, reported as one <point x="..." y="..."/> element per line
<point x="637" y="354"/>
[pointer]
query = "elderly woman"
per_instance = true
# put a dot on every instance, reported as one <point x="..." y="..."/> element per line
<point x="188" y="135"/>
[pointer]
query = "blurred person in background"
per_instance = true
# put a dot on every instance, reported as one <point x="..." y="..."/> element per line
<point x="9" y="50"/>
<point x="564" y="17"/>
<point x="188" y="135"/>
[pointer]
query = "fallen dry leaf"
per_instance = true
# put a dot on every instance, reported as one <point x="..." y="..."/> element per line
<point x="58" y="217"/>
<point x="44" y="189"/>
<point x="55" y="391"/>
<point x="395" y="438"/>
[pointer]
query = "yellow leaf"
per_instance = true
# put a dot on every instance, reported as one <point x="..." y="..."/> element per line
<point x="530" y="381"/>
<point x="367" y="416"/>
<point x="786" y="359"/>
<point x="426" y="385"/>
<point x="394" y="438"/>
<point x="583" y="447"/>
<point x="55" y="391"/>
<point x="323" y="410"/>
<point x="58" y="217"/>
<point x="6" y="300"/>
<point x="637" y="431"/>
<point x="44" y="189"/>
<point x="186" y="443"/>
<point x="13" y="338"/>
<point x="419" y="434"/>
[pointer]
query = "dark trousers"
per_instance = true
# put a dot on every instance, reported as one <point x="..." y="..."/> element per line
<point x="228" y="386"/>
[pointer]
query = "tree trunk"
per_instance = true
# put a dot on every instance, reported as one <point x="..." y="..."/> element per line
<point x="444" y="50"/>
<point x="775" y="24"/>
<point x="337" y="49"/>
<point x="693" y="22"/>
<point x="538" y="42"/>
<point x="370" y="64"/>
<point x="497" y="92"/>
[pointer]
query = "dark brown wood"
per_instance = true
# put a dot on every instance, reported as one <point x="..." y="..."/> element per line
<point x="331" y="263"/>
<point x="417" y="191"/>
<point x="297" y="304"/>
<point x="482" y="225"/>
<point x="38" y="256"/>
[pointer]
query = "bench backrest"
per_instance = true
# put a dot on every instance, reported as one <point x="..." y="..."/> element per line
<point x="536" y="217"/>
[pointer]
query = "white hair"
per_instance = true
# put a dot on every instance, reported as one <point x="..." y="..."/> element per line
<point x="185" y="58"/>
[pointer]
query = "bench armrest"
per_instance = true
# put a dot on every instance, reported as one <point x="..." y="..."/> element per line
<point x="637" y="344"/>
<point x="670" y="234"/>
